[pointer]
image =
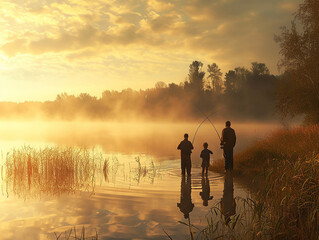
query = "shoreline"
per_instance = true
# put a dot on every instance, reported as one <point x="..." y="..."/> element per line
<point x="282" y="170"/>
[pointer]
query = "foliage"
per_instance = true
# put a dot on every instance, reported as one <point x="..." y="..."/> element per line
<point x="215" y="76"/>
<point x="245" y="94"/>
<point x="299" y="89"/>
<point x="196" y="77"/>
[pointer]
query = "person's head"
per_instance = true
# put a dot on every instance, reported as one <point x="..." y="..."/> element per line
<point x="228" y="124"/>
<point x="186" y="136"/>
<point x="205" y="145"/>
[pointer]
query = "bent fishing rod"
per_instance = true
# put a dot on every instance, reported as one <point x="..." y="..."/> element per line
<point x="206" y="118"/>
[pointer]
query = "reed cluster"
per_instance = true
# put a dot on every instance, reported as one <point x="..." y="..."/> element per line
<point x="30" y="172"/>
<point x="53" y="170"/>
<point x="250" y="222"/>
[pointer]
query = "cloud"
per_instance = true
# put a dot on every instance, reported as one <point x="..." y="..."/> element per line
<point x="138" y="37"/>
<point x="151" y="23"/>
<point x="14" y="47"/>
<point x="163" y="23"/>
<point x="84" y="37"/>
<point x="289" y="6"/>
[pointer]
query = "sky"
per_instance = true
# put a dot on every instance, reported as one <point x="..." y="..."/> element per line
<point x="87" y="46"/>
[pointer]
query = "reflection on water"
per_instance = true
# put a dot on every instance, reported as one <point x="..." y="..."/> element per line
<point x="32" y="172"/>
<point x="205" y="193"/>
<point x="121" y="207"/>
<point x="228" y="204"/>
<point x="186" y="205"/>
<point x="134" y="173"/>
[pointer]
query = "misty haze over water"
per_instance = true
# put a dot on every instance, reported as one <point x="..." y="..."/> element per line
<point x="139" y="193"/>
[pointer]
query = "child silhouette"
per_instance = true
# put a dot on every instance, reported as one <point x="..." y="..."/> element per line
<point x="205" y="155"/>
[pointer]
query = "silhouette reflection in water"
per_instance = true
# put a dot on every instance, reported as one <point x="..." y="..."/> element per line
<point x="205" y="193"/>
<point x="186" y="205"/>
<point x="228" y="204"/>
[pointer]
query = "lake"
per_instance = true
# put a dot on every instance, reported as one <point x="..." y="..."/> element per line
<point x="136" y="190"/>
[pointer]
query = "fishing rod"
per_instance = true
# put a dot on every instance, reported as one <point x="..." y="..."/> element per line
<point x="199" y="127"/>
<point x="206" y="118"/>
<point x="210" y="122"/>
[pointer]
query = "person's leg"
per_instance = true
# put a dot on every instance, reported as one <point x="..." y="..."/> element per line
<point x="189" y="165"/>
<point x="206" y="170"/>
<point x="203" y="169"/>
<point x="183" y="165"/>
<point x="228" y="159"/>
<point x="231" y="159"/>
<point x="225" y="157"/>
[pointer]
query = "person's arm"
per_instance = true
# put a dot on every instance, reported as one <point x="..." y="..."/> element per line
<point x="210" y="152"/>
<point x="234" y="138"/>
<point x="201" y="154"/>
<point x="222" y="137"/>
<point x="179" y="146"/>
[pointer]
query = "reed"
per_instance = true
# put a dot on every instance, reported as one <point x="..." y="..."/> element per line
<point x="249" y="222"/>
<point x="29" y="172"/>
<point x="73" y="234"/>
<point x="285" y="170"/>
<point x="53" y="170"/>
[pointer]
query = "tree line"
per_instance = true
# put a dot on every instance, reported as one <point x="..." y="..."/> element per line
<point x="243" y="93"/>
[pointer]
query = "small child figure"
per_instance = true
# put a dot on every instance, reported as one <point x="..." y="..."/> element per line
<point x="205" y="155"/>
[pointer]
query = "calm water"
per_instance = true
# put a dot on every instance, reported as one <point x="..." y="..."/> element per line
<point x="142" y="192"/>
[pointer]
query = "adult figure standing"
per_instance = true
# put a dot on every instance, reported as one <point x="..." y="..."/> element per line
<point x="186" y="148"/>
<point x="228" y="204"/>
<point x="228" y="142"/>
<point x="186" y="205"/>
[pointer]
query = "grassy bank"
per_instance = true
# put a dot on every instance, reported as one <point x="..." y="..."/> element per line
<point x="285" y="167"/>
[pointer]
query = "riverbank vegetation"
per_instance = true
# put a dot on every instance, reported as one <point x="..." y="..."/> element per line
<point x="284" y="171"/>
<point x="30" y="172"/>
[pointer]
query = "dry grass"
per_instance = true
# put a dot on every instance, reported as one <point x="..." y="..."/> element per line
<point x="52" y="170"/>
<point x="72" y="233"/>
<point x="29" y="172"/>
<point x="289" y="144"/>
<point x="285" y="167"/>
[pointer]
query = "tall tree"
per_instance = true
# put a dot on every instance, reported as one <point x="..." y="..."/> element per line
<point x="230" y="81"/>
<point x="259" y="69"/>
<point x="235" y="80"/>
<point x="196" y="76"/>
<point x="215" y="75"/>
<point x="299" y="89"/>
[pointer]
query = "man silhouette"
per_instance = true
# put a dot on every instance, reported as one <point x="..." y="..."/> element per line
<point x="186" y="205"/>
<point x="186" y="149"/>
<point x="228" y="204"/>
<point x="228" y="142"/>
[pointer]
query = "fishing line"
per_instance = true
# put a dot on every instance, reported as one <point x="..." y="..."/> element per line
<point x="213" y="127"/>
<point x="207" y="118"/>
<point x="199" y="127"/>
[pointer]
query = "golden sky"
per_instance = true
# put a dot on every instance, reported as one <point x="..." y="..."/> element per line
<point x="53" y="46"/>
